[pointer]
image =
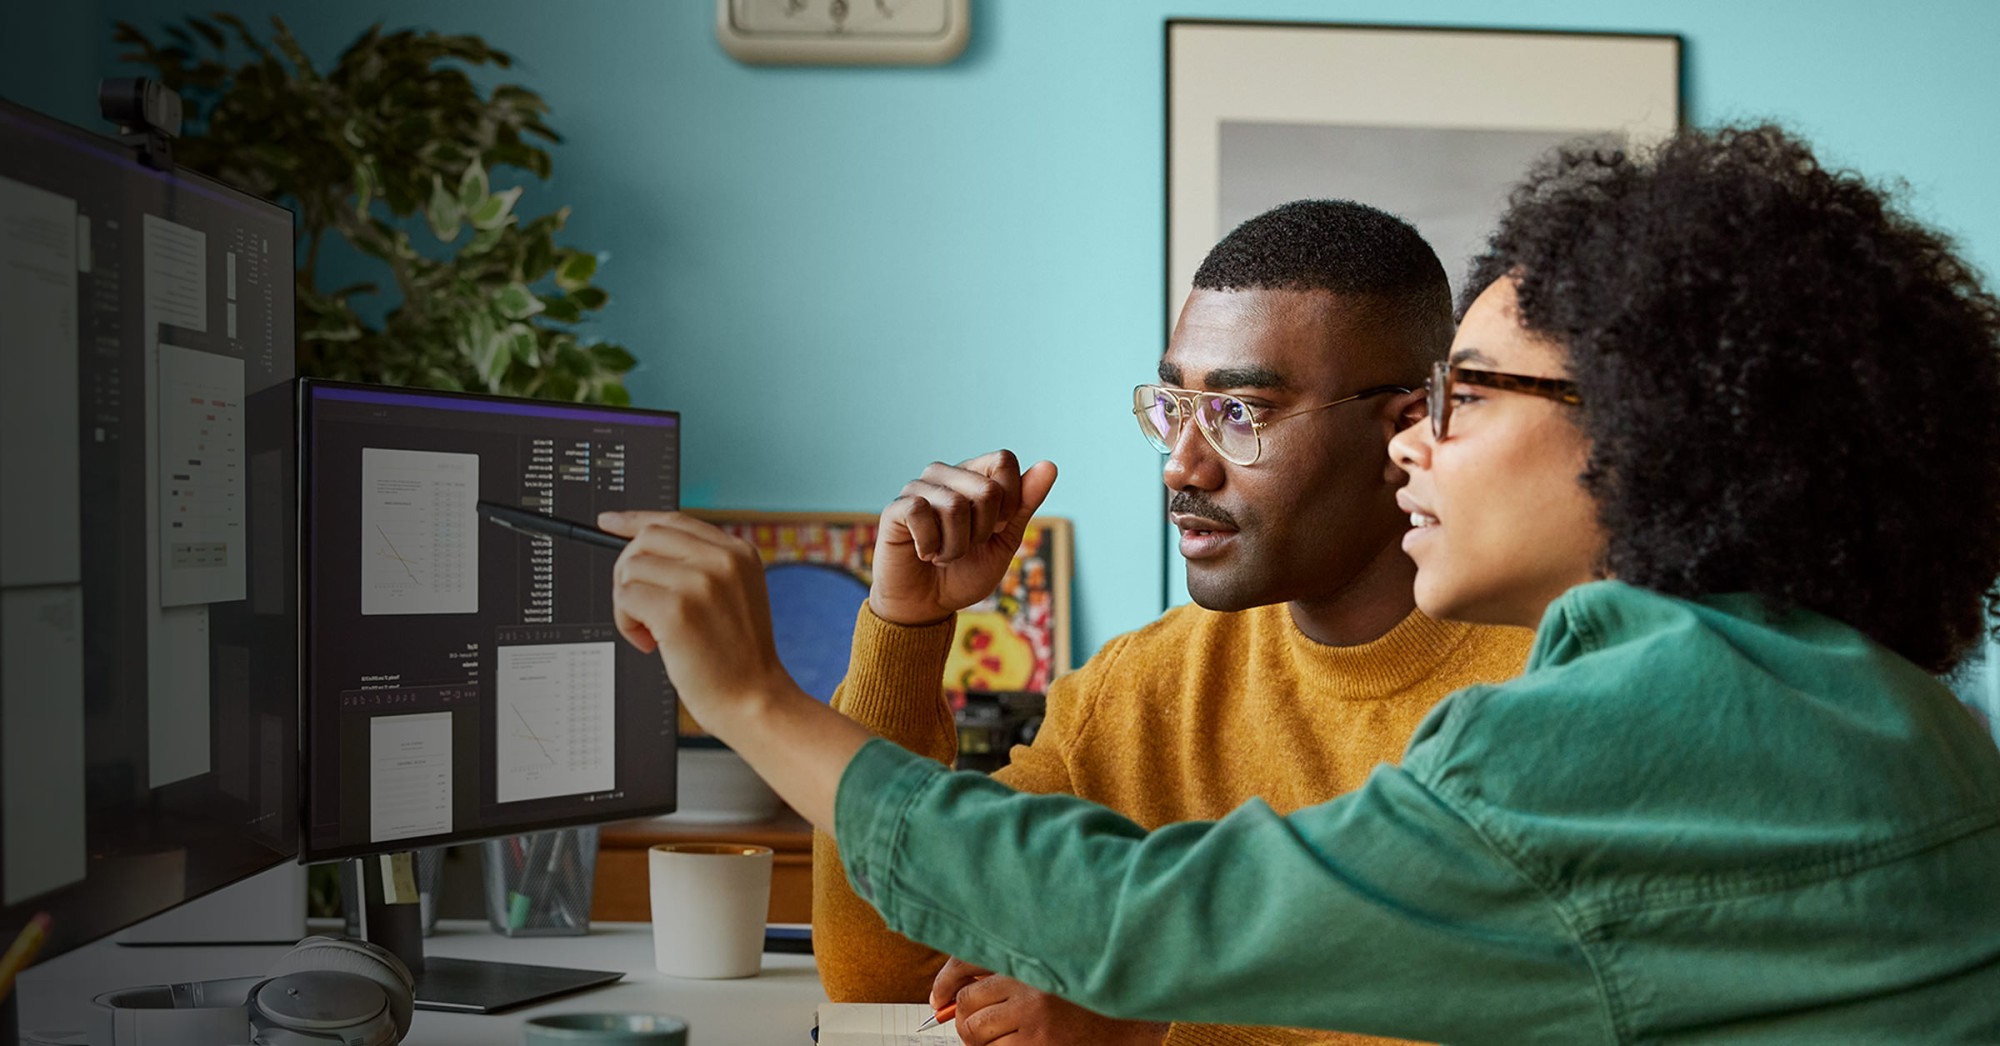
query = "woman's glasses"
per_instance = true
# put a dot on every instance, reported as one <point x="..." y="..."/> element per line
<point x="1229" y="425"/>
<point x="1444" y="375"/>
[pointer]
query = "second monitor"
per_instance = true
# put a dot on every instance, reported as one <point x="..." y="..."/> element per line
<point x="463" y="680"/>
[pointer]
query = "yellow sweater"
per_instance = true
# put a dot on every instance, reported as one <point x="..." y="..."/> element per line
<point x="1182" y="720"/>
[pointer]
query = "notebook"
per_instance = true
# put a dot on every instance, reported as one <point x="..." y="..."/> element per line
<point x="880" y="1024"/>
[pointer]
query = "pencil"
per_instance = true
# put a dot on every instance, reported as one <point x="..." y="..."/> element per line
<point x="23" y="950"/>
<point x="949" y="1010"/>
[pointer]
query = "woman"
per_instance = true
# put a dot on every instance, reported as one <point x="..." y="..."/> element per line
<point x="1723" y="427"/>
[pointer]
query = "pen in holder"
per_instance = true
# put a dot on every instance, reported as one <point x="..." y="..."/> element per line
<point x="540" y="885"/>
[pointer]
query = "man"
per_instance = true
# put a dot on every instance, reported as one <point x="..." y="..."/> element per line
<point x="1303" y="662"/>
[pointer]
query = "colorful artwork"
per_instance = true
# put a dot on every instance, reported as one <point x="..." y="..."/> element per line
<point x="1015" y="639"/>
<point x="987" y="654"/>
<point x="830" y="538"/>
<point x="1011" y="640"/>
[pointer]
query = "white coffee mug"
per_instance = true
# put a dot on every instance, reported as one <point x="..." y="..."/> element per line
<point x="710" y="901"/>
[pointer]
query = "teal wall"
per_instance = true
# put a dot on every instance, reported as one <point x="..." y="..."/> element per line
<point x="841" y="274"/>
<point x="49" y="56"/>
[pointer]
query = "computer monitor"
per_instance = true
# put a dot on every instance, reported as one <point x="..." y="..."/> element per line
<point x="465" y="681"/>
<point x="148" y="654"/>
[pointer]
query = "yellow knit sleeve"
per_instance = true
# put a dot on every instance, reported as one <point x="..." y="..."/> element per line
<point x="894" y="686"/>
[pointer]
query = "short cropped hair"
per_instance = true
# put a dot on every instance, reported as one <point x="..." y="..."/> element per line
<point x="1374" y="259"/>
<point x="1790" y="387"/>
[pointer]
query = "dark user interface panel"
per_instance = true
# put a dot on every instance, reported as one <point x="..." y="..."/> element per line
<point x="464" y="679"/>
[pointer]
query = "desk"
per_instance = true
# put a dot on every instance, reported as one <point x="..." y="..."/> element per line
<point x="772" y="1009"/>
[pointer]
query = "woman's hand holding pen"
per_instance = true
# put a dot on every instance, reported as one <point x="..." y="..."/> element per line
<point x="945" y="543"/>
<point x="696" y="595"/>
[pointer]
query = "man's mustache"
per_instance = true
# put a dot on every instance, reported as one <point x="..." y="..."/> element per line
<point x="1196" y="505"/>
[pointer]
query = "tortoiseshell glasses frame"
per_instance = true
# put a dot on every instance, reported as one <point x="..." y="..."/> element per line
<point x="1444" y="375"/>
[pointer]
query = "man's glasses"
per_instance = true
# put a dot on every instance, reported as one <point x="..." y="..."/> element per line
<point x="1230" y="425"/>
<point x="1444" y="375"/>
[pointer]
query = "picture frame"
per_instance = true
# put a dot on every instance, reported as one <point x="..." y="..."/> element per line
<point x="1353" y="94"/>
<point x="819" y="565"/>
<point x="1432" y="124"/>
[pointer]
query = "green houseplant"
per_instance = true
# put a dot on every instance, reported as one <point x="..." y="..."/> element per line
<point x="391" y="150"/>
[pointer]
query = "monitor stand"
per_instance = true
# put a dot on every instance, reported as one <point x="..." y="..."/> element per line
<point x="457" y="985"/>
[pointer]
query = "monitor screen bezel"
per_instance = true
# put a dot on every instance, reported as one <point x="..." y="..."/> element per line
<point x="124" y="154"/>
<point x="67" y="933"/>
<point x="307" y="387"/>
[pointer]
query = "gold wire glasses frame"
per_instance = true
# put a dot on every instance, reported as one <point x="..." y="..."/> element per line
<point x="1444" y="375"/>
<point x="1230" y="425"/>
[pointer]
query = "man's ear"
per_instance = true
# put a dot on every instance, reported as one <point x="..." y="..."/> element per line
<point x="1410" y="408"/>
<point x="1401" y="412"/>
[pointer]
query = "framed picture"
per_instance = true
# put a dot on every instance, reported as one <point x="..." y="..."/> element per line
<point x="1431" y="124"/>
<point x="818" y="567"/>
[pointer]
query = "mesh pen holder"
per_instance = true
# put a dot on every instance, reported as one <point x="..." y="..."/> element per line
<point x="539" y="885"/>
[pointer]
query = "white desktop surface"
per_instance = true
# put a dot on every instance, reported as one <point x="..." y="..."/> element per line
<point x="774" y="1008"/>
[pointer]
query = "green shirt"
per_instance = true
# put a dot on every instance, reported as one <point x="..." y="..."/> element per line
<point x="1688" y="822"/>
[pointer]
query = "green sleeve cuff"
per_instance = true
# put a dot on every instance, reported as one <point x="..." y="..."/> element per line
<point x="877" y="787"/>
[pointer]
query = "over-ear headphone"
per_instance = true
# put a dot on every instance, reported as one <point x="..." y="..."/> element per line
<point x="325" y="990"/>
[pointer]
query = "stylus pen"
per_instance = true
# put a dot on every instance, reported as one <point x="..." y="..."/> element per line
<point x="538" y="525"/>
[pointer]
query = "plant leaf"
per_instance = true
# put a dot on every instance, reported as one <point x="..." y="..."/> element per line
<point x="490" y="355"/>
<point x="590" y="298"/>
<point x="562" y="310"/>
<point x="443" y="212"/>
<point x="484" y="241"/>
<point x="576" y="270"/>
<point x="613" y="357"/>
<point x="364" y="189"/>
<point x="289" y="46"/>
<point x="525" y="346"/>
<point x="208" y="32"/>
<point x="538" y="255"/>
<point x="243" y="32"/>
<point x="473" y="186"/>
<point x="494" y="210"/>
<point x="517" y="302"/>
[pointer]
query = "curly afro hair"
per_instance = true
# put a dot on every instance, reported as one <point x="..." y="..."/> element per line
<point x="1789" y="386"/>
